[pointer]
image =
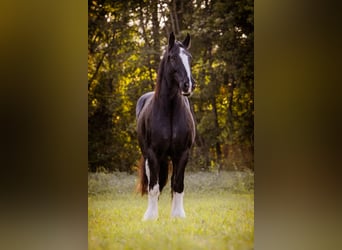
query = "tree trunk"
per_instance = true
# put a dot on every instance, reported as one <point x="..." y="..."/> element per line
<point x="155" y="35"/>
<point x="96" y="70"/>
<point x="217" y="128"/>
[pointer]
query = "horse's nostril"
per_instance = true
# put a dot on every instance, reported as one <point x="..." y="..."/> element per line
<point x="186" y="85"/>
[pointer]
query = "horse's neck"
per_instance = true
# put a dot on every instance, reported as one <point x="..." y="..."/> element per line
<point x="164" y="93"/>
<point x="167" y="99"/>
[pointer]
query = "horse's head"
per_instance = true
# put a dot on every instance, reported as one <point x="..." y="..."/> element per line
<point x="179" y="58"/>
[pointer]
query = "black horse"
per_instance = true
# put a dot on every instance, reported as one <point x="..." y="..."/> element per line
<point x="166" y="128"/>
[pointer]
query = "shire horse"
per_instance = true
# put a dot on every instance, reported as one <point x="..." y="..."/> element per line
<point x="166" y="128"/>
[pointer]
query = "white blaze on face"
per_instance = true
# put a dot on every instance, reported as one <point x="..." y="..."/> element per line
<point x="185" y="60"/>
<point x="177" y="205"/>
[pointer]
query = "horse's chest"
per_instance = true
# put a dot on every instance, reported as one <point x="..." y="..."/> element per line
<point x="179" y="131"/>
<point x="170" y="130"/>
<point x="161" y="131"/>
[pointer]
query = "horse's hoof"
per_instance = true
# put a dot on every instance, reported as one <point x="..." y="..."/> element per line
<point x="149" y="215"/>
<point x="178" y="214"/>
<point x="146" y="218"/>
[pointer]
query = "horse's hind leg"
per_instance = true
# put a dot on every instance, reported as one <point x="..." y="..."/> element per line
<point x="152" y="173"/>
<point x="177" y="185"/>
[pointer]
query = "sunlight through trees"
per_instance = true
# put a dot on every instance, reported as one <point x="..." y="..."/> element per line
<point x="125" y="43"/>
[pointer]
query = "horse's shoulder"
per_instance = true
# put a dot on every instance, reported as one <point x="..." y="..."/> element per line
<point x="188" y="107"/>
<point x="186" y="102"/>
<point x="142" y="101"/>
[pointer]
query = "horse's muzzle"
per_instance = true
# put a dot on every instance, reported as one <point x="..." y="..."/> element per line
<point x="186" y="90"/>
<point x="186" y="87"/>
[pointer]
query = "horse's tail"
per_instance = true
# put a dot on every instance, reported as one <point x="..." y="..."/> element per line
<point x="142" y="182"/>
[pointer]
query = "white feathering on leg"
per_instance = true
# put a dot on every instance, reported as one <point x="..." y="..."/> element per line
<point x="177" y="205"/>
<point x="152" y="208"/>
<point x="147" y="171"/>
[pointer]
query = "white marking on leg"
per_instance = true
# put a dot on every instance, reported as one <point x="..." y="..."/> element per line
<point x="185" y="60"/>
<point x="147" y="171"/>
<point x="177" y="209"/>
<point x="152" y="208"/>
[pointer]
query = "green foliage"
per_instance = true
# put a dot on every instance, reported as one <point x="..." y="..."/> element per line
<point x="125" y="42"/>
<point x="219" y="208"/>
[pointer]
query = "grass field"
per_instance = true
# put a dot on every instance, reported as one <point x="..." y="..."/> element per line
<point x="219" y="213"/>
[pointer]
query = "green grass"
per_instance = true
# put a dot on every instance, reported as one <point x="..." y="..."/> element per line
<point x="219" y="210"/>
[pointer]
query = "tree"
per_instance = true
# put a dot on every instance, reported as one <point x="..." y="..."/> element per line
<point x="124" y="47"/>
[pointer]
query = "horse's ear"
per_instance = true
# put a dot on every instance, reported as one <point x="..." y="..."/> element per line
<point x="171" y="40"/>
<point x="187" y="41"/>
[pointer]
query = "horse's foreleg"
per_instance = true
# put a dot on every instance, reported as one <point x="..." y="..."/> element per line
<point x="177" y="185"/>
<point x="152" y="172"/>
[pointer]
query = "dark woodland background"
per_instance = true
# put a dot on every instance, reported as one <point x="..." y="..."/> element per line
<point x="125" y="43"/>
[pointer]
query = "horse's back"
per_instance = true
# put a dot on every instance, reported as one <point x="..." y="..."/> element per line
<point x="145" y="98"/>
